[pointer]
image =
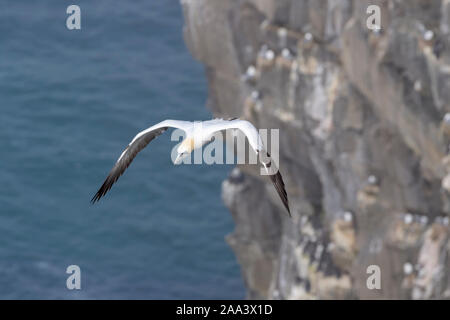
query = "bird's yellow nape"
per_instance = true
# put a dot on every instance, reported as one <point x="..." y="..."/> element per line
<point x="187" y="145"/>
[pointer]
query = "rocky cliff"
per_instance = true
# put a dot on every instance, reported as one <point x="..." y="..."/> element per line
<point x="364" y="141"/>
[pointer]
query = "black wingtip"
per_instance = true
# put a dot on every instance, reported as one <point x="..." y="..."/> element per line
<point x="286" y="205"/>
<point x="289" y="211"/>
<point x="102" y="191"/>
<point x="95" y="199"/>
<point x="278" y="182"/>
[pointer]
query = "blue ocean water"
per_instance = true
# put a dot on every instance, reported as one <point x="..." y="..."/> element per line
<point x="70" y="101"/>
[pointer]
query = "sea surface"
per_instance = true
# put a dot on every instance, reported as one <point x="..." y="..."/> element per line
<point x="70" y="101"/>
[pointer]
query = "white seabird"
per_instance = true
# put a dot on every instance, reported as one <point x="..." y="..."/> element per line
<point x="196" y="136"/>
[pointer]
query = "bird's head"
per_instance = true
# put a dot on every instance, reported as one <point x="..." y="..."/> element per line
<point x="184" y="149"/>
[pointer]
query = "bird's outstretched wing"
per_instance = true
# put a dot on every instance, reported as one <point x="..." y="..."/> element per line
<point x="256" y="143"/>
<point x="277" y="180"/>
<point x="140" y="141"/>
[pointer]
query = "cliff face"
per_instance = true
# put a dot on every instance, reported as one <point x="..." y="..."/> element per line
<point x="364" y="138"/>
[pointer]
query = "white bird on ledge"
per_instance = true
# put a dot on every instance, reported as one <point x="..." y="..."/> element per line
<point x="195" y="138"/>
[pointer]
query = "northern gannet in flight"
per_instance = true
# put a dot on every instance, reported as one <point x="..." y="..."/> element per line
<point x="194" y="139"/>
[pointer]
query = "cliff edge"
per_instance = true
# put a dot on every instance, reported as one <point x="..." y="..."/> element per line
<point x="364" y="141"/>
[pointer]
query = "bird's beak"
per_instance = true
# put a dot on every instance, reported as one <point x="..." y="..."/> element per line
<point x="179" y="158"/>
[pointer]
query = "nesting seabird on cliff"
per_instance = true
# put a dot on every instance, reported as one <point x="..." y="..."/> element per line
<point x="197" y="135"/>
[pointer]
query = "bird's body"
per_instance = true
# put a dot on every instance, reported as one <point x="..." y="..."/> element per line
<point x="197" y="134"/>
